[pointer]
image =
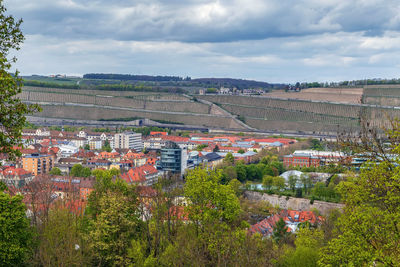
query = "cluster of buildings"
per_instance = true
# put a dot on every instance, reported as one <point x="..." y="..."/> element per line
<point x="141" y="160"/>
<point x="234" y="91"/>
<point x="292" y="219"/>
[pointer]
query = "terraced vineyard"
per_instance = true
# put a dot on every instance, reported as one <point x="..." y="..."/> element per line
<point x="98" y="105"/>
<point x="387" y="95"/>
<point x="296" y="115"/>
<point x="262" y="113"/>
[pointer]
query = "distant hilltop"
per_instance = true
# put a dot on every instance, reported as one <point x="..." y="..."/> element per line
<point x="200" y="82"/>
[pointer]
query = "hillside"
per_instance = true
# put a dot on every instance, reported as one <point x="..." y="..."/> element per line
<point x="312" y="111"/>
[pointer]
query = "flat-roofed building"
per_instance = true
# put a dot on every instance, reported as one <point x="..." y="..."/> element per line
<point x="37" y="163"/>
<point x="128" y="140"/>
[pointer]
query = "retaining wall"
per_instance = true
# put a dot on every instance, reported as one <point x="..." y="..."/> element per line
<point x="301" y="204"/>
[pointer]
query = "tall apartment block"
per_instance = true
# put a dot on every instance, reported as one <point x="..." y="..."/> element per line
<point x="37" y="163"/>
<point x="128" y="140"/>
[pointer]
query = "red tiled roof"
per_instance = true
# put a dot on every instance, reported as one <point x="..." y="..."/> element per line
<point x="139" y="174"/>
<point x="14" y="171"/>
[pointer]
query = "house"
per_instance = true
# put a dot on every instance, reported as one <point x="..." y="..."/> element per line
<point x="292" y="218"/>
<point x="99" y="163"/>
<point x="16" y="177"/>
<point x="211" y="160"/>
<point x="95" y="143"/>
<point x="144" y="175"/>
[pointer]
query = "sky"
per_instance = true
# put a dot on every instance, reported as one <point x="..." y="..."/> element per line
<point x="277" y="41"/>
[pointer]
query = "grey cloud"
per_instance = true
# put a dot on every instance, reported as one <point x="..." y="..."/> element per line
<point x="203" y="20"/>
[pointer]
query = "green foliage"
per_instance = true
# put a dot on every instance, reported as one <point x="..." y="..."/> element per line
<point x="12" y="110"/>
<point x="79" y="171"/>
<point x="279" y="183"/>
<point x="280" y="232"/>
<point x="368" y="231"/>
<point x="211" y="90"/>
<point x="55" y="171"/>
<point x="111" y="220"/>
<point x="308" y="243"/>
<point x="241" y="151"/>
<point x="236" y="186"/>
<point x="15" y="232"/>
<point x="316" y="145"/>
<point x="229" y="159"/>
<point x="110" y="233"/>
<point x="292" y="181"/>
<point x="268" y="182"/>
<point x="201" y="147"/>
<point x="210" y="201"/>
<point x="229" y="173"/>
<point x="87" y="147"/>
<point x="299" y="192"/>
<point x="107" y="146"/>
<point x="60" y="241"/>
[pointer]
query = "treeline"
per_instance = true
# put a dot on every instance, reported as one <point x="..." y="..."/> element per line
<point x="108" y="87"/>
<point x="129" y="77"/>
<point x="238" y="83"/>
<point x="50" y="84"/>
<point x="352" y="83"/>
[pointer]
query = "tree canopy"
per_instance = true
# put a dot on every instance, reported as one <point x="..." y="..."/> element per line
<point x="12" y="110"/>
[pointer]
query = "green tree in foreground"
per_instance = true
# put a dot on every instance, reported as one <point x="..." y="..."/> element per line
<point x="210" y="200"/>
<point x="368" y="232"/>
<point x="60" y="242"/>
<point x="15" y="232"/>
<point x="12" y="110"/>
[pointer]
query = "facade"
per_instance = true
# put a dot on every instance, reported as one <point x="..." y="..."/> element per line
<point x="16" y="177"/>
<point x="312" y="158"/>
<point x="145" y="175"/>
<point x="37" y="163"/>
<point x="128" y="140"/>
<point x="171" y="158"/>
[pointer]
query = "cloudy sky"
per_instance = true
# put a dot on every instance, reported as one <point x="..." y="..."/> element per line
<point x="267" y="40"/>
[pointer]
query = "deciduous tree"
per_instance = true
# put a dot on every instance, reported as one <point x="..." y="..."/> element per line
<point x="12" y="110"/>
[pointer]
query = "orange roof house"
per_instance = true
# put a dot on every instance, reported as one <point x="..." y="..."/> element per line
<point x="143" y="175"/>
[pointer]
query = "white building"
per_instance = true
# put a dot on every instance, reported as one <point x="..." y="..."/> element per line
<point x="128" y="140"/>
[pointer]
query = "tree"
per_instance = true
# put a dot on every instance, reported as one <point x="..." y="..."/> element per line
<point x="60" y="242"/>
<point x="241" y="151"/>
<point x="279" y="183"/>
<point x="230" y="173"/>
<point x="308" y="244"/>
<point x="229" y="159"/>
<point x="236" y="186"/>
<point x="86" y="147"/>
<point x="12" y="110"/>
<point x="320" y="190"/>
<point x="292" y="181"/>
<point x="55" y="171"/>
<point x="79" y="171"/>
<point x="280" y="231"/>
<point x="210" y="201"/>
<point x="216" y="148"/>
<point x="110" y="234"/>
<point x="241" y="172"/>
<point x="107" y="146"/>
<point x="306" y="181"/>
<point x="268" y="181"/>
<point x="367" y="233"/>
<point x="15" y="232"/>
